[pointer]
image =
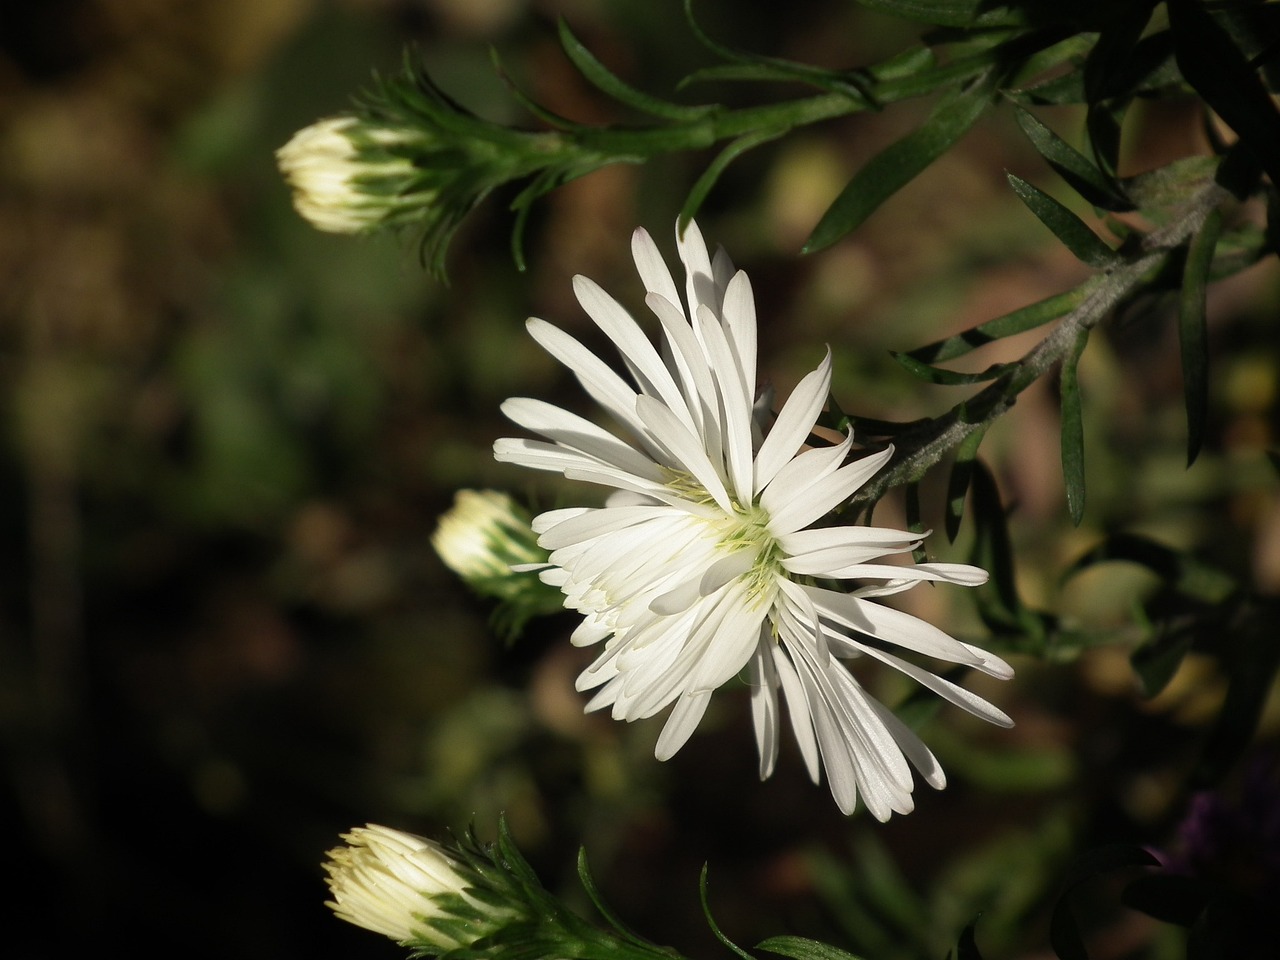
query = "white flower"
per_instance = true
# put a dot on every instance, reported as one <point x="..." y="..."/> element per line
<point x="704" y="562"/>
<point x="390" y="882"/>
<point x="343" y="178"/>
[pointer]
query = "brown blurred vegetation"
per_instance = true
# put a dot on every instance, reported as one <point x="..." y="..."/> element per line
<point x="223" y="634"/>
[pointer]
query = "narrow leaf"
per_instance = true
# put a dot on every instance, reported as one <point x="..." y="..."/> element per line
<point x="948" y="13"/>
<point x="702" y="186"/>
<point x="1064" y="931"/>
<point x="711" y="922"/>
<point x="1219" y="72"/>
<point x="949" y="378"/>
<point x="1019" y="321"/>
<point x="1066" y="226"/>
<point x="617" y="88"/>
<point x="597" y="900"/>
<point x="1073" y="429"/>
<point x="958" y="482"/>
<point x="967" y="945"/>
<point x="1156" y="662"/>
<point x="901" y="162"/>
<point x="1254" y="662"/>
<point x="1185" y="574"/>
<point x="1193" y="335"/>
<point x="1083" y="177"/>
<point x="801" y="948"/>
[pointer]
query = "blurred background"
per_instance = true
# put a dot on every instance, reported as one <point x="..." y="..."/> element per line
<point x="224" y="635"/>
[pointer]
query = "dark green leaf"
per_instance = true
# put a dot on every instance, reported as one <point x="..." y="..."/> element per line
<point x="1019" y="321"/>
<point x="1112" y="53"/>
<point x="1065" y="88"/>
<point x="1193" y="334"/>
<point x="998" y="602"/>
<point x="1254" y="662"/>
<point x="1215" y="66"/>
<point x="1185" y="574"/>
<point x="1064" y="934"/>
<point x="1156" y="662"/>
<point x="1073" y="429"/>
<point x="617" y="88"/>
<point x="1166" y="897"/>
<point x="801" y="948"/>
<point x="1064" y="931"/>
<point x="950" y="378"/>
<point x="1102" y="124"/>
<point x="597" y="900"/>
<point x="1066" y="226"/>
<point x="948" y="13"/>
<point x="702" y="186"/>
<point x="898" y="164"/>
<point x="967" y="945"/>
<point x="711" y="921"/>
<point x="1086" y="179"/>
<point x="958" y="482"/>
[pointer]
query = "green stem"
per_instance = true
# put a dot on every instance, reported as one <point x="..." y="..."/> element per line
<point x="925" y="445"/>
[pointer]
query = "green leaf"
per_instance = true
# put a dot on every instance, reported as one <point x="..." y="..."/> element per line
<point x="702" y="186"/>
<point x="1193" y="336"/>
<point x="617" y="88"/>
<point x="967" y="945"/>
<point x="744" y="65"/>
<point x="801" y="948"/>
<point x="1073" y="429"/>
<point x="1102" y="124"/>
<point x="1066" y="226"/>
<point x="597" y="900"/>
<point x="1167" y="897"/>
<point x="895" y="166"/>
<point x="998" y="602"/>
<point x="1217" y="69"/>
<point x="1186" y="575"/>
<point x="1112" y="53"/>
<point x="1083" y="177"/>
<point x="1064" y="931"/>
<point x="1156" y="662"/>
<point x="949" y="378"/>
<point x="948" y="13"/>
<point x="1018" y="321"/>
<point x="958" y="482"/>
<point x="1254" y="661"/>
<point x="711" y="922"/>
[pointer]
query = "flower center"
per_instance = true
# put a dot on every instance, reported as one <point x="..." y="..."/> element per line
<point x="748" y="529"/>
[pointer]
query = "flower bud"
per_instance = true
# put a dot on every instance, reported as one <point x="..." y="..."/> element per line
<point x="352" y="176"/>
<point x="409" y="889"/>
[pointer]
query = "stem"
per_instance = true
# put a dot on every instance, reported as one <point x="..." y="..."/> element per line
<point x="925" y="445"/>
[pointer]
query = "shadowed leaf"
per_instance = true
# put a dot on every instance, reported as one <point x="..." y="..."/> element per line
<point x="898" y="164"/>
<point x="1066" y="226"/>
<point x="1193" y="335"/>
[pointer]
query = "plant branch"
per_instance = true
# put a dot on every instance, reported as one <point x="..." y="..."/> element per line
<point x="923" y="446"/>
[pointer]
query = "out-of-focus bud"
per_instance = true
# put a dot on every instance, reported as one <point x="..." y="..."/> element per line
<point x="411" y="890"/>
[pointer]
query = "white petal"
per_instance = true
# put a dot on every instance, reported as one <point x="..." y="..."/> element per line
<point x="890" y="625"/>
<point x="735" y="404"/>
<point x="815" y="500"/>
<point x="578" y="433"/>
<point x="763" y="679"/>
<point x="700" y="284"/>
<point x="795" y="420"/>
<point x="680" y="725"/>
<point x="651" y="373"/>
<point x="739" y="314"/>
<point x="652" y="268"/>
<point x="684" y="446"/>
